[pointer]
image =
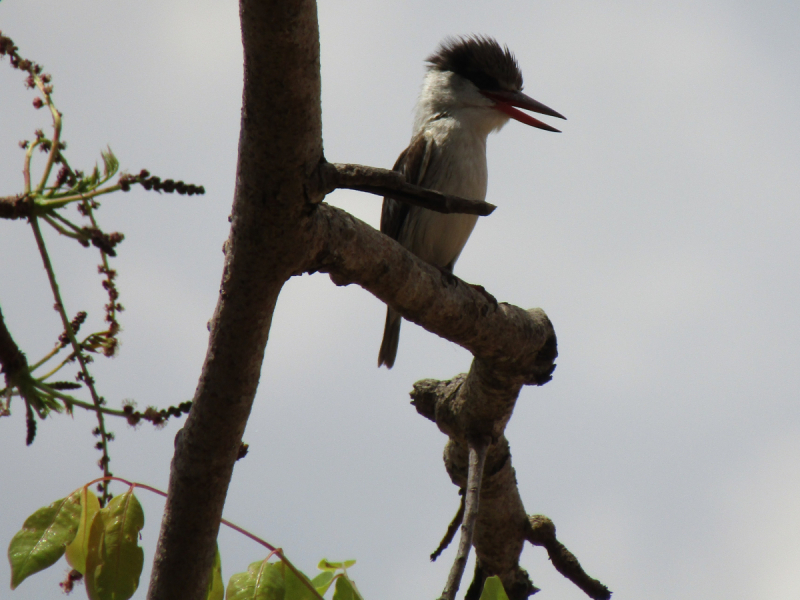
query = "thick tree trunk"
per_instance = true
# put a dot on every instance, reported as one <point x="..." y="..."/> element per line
<point x="280" y="145"/>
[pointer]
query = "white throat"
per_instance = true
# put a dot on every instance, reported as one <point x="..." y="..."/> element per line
<point x="445" y="94"/>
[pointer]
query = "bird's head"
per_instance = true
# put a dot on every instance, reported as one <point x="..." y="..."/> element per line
<point x="475" y="72"/>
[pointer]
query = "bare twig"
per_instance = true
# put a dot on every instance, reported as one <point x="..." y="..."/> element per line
<point x="477" y="459"/>
<point x="543" y="533"/>
<point x="451" y="529"/>
<point x="76" y="347"/>
<point x="383" y="182"/>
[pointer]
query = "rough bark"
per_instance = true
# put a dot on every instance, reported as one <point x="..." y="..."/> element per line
<point x="16" y="207"/>
<point x="502" y="526"/>
<point x="280" y="145"/>
<point x="384" y="182"/>
<point x="504" y="336"/>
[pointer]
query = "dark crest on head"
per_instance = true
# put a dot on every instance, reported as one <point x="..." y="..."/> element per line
<point x="479" y="59"/>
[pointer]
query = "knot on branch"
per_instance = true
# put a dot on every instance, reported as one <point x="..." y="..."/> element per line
<point x="478" y="405"/>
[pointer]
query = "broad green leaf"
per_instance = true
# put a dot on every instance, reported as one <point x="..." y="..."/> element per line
<point x="322" y="582"/>
<point x="269" y="581"/>
<point x="345" y="589"/>
<point x="328" y="565"/>
<point x="216" y="589"/>
<point x="297" y="588"/>
<point x="262" y="581"/>
<point x="94" y="551"/>
<point x="43" y="538"/>
<point x="76" y="551"/>
<point x="114" y="559"/>
<point x="493" y="589"/>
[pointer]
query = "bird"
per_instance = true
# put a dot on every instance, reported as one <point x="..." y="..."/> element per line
<point x="471" y="89"/>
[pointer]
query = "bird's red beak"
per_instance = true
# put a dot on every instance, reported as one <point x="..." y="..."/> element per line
<point x="506" y="101"/>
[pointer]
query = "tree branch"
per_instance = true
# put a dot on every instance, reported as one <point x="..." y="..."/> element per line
<point x="16" y="207"/>
<point x="451" y="529"/>
<point x="543" y="533"/>
<point x="383" y="182"/>
<point x="519" y="345"/>
<point x="477" y="460"/>
<point x="502" y="526"/>
<point x="12" y="359"/>
<point x="280" y="146"/>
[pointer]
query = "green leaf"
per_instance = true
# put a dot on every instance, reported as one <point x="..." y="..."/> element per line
<point x="95" y="177"/>
<point x="345" y="589"/>
<point x="493" y="589"/>
<point x="269" y="581"/>
<point x="114" y="559"/>
<point x="43" y="538"/>
<point x="216" y="589"/>
<point x="262" y="581"/>
<point x="297" y="588"/>
<point x="327" y="565"/>
<point x="322" y="582"/>
<point x="110" y="164"/>
<point x="76" y="551"/>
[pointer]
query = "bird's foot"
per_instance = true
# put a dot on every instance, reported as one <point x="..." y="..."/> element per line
<point x="489" y="298"/>
<point x="448" y="279"/>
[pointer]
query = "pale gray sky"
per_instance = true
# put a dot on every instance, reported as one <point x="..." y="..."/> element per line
<point x="659" y="232"/>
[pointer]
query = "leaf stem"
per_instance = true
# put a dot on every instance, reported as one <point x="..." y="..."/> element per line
<point x="244" y="532"/>
<point x="71" y="400"/>
<point x="56" y="215"/>
<point x="60" y="201"/>
<point x="54" y="149"/>
<point x="50" y="221"/>
<point x="26" y="169"/>
<point x="46" y="357"/>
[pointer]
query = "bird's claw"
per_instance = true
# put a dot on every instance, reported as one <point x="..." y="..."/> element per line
<point x="491" y="299"/>
<point x="448" y="279"/>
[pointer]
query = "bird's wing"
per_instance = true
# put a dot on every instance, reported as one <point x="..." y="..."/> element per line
<point x="413" y="163"/>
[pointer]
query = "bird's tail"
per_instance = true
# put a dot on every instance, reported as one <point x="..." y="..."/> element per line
<point x="391" y="337"/>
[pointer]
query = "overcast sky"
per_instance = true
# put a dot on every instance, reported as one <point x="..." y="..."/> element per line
<point x="659" y="232"/>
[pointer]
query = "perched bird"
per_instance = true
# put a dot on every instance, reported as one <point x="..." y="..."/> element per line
<point x="471" y="88"/>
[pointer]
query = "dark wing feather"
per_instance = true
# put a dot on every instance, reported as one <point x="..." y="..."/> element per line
<point x="412" y="162"/>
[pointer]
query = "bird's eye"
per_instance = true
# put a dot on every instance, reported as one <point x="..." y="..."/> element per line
<point x="485" y="82"/>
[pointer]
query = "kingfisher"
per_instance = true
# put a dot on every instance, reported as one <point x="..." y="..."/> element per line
<point x="472" y="87"/>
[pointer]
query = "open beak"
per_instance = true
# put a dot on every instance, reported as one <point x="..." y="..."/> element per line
<point x="506" y="101"/>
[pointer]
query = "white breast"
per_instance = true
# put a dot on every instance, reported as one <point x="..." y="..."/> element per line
<point x="458" y="168"/>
